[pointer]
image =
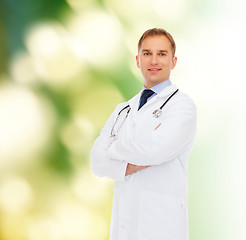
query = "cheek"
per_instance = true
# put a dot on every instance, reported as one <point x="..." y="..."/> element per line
<point x="144" y="63"/>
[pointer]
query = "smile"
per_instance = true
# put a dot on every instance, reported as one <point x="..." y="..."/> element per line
<point x="154" y="69"/>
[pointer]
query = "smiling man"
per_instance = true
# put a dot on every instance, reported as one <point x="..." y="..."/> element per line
<point x="145" y="145"/>
<point x="156" y="57"/>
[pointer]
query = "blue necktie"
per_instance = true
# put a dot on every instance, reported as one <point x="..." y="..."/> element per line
<point x="145" y="95"/>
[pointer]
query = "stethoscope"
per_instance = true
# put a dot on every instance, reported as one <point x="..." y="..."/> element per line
<point x="156" y="113"/>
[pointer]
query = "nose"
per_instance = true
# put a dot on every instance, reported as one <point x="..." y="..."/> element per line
<point x="154" y="60"/>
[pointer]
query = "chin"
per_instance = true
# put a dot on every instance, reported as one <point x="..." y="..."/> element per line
<point x="155" y="81"/>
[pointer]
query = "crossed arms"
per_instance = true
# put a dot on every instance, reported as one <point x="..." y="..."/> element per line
<point x="128" y="155"/>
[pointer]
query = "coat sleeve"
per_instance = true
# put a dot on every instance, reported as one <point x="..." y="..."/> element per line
<point x="102" y="165"/>
<point x="175" y="135"/>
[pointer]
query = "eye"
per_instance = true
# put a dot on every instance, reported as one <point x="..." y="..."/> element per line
<point x="146" y="54"/>
<point x="163" y="54"/>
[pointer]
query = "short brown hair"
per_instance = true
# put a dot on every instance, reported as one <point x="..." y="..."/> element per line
<point x="157" y="32"/>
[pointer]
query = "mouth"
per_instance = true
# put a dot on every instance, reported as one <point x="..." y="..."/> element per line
<point x="154" y="69"/>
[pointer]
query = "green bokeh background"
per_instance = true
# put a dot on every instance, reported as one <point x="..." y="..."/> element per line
<point x="66" y="64"/>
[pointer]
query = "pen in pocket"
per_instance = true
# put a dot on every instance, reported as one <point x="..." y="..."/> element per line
<point x="157" y="126"/>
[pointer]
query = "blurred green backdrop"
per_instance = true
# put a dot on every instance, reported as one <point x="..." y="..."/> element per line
<point x="66" y="64"/>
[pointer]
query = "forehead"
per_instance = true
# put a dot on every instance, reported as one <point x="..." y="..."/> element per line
<point x="156" y="43"/>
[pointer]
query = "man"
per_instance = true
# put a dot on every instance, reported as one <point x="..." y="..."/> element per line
<point x="145" y="149"/>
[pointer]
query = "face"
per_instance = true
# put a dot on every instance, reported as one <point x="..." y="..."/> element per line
<point x="155" y="60"/>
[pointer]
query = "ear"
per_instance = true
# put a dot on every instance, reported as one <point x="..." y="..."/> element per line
<point x="174" y="61"/>
<point x="137" y="60"/>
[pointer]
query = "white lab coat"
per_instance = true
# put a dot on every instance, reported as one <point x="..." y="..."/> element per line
<point x="150" y="204"/>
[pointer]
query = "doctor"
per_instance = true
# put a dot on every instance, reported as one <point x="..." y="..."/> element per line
<point x="144" y="146"/>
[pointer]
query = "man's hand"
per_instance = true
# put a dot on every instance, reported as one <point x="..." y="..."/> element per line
<point x="133" y="168"/>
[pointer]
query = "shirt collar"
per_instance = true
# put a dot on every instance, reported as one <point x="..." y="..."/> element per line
<point x="160" y="86"/>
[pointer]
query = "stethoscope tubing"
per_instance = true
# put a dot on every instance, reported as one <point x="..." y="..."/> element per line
<point x="112" y="130"/>
<point x="168" y="99"/>
<point x="124" y="109"/>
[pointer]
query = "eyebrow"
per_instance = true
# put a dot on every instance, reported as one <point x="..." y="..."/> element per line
<point x="148" y="50"/>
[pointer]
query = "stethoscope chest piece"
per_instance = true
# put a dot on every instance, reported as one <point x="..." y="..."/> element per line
<point x="157" y="113"/>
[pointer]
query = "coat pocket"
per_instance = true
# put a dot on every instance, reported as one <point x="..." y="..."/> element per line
<point x="162" y="217"/>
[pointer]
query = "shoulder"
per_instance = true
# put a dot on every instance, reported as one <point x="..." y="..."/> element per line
<point x="181" y="103"/>
<point x="183" y="97"/>
<point x="178" y="99"/>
